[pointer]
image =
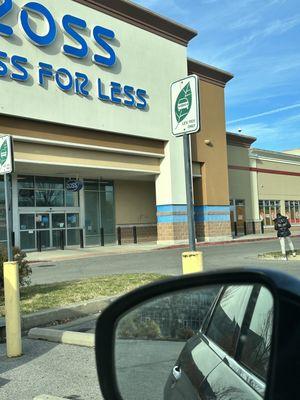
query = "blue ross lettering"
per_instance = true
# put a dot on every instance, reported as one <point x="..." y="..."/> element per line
<point x="5" y="8"/>
<point x="140" y="94"/>
<point x="81" y="82"/>
<point x="65" y="82"/>
<point x="3" y="66"/>
<point x="101" y="95"/>
<point x="115" y="91"/>
<point x="17" y="62"/>
<point x="41" y="10"/>
<point x="45" y="70"/>
<point x="69" y="22"/>
<point x="129" y="92"/>
<point x="98" y="32"/>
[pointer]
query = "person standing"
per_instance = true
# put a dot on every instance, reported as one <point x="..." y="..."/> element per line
<point x="282" y="226"/>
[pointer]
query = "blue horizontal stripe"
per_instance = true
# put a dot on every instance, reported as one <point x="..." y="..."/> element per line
<point x="202" y="213"/>
<point x="172" y="208"/>
<point x="167" y="219"/>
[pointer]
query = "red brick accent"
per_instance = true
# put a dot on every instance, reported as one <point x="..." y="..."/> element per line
<point x="144" y="234"/>
<point x="212" y="229"/>
<point x="172" y="231"/>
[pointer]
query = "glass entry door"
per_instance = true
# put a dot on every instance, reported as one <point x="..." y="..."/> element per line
<point x="99" y="212"/>
<point x="48" y="227"/>
<point x="92" y="218"/>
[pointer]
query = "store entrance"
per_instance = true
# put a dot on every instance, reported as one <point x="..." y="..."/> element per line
<point x="99" y="212"/>
<point x="49" y="228"/>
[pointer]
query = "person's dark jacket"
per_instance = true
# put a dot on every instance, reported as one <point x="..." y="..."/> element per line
<point x="282" y="226"/>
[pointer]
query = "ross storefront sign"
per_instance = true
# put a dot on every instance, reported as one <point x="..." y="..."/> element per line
<point x="76" y="29"/>
<point x="185" y="106"/>
<point x="74" y="186"/>
<point x="6" y="155"/>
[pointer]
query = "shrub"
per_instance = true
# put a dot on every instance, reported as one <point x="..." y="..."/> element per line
<point x="131" y="327"/>
<point x="23" y="264"/>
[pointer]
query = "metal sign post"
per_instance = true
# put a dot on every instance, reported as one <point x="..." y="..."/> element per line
<point x="189" y="192"/>
<point x="10" y="268"/>
<point x="186" y="120"/>
<point x="8" y="211"/>
<point x="6" y="168"/>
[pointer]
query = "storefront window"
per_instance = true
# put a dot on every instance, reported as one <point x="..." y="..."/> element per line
<point x="42" y="191"/>
<point x="99" y="211"/>
<point x="91" y="185"/>
<point x="42" y="182"/>
<point x="58" y="221"/>
<point x="25" y="182"/>
<point x="27" y="222"/>
<point x="42" y="221"/>
<point x="49" y="198"/>
<point x="292" y="211"/>
<point x="72" y="199"/>
<point x="268" y="210"/>
<point x="26" y="198"/>
<point x="72" y="220"/>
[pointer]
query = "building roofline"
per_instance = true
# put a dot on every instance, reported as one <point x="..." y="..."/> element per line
<point x="273" y="153"/>
<point x="209" y="72"/>
<point x="236" y="139"/>
<point x="143" y="18"/>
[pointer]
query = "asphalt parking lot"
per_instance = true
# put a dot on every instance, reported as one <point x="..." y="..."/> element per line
<point x="237" y="255"/>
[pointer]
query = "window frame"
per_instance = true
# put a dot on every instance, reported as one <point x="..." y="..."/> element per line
<point x="264" y="205"/>
<point x="244" y="328"/>
<point x="210" y="316"/>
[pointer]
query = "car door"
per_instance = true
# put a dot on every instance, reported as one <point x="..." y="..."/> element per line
<point x="201" y="355"/>
<point x="242" y="375"/>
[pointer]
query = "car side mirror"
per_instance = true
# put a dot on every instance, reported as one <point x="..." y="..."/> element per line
<point x="229" y="335"/>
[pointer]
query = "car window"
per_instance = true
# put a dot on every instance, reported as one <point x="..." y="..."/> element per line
<point x="228" y="316"/>
<point x="256" y="340"/>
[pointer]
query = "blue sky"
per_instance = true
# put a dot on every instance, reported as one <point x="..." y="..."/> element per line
<point x="259" y="42"/>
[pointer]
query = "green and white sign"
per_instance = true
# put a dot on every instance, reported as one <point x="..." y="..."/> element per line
<point x="6" y="155"/>
<point x="185" y="106"/>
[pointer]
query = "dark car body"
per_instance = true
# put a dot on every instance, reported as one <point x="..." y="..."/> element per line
<point x="228" y="358"/>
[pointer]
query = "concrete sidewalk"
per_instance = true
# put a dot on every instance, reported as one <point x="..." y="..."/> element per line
<point x="77" y="253"/>
<point x="65" y="371"/>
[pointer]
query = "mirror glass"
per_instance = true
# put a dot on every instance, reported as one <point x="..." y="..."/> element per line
<point x="211" y="342"/>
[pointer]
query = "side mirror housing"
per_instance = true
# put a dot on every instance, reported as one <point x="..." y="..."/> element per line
<point x="133" y="328"/>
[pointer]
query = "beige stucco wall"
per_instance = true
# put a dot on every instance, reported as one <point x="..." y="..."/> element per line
<point x="135" y="202"/>
<point x="242" y="185"/>
<point x="144" y="60"/>
<point x="252" y="185"/>
<point x="278" y="187"/>
<point x="63" y="156"/>
<point x="238" y="156"/>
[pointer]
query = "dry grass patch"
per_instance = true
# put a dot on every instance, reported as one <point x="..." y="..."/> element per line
<point x="42" y="297"/>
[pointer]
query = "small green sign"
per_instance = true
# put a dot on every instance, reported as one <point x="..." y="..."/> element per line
<point x="3" y="152"/>
<point x="183" y="103"/>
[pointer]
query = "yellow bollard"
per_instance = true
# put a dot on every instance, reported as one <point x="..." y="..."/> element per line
<point x="12" y="309"/>
<point x="192" y="261"/>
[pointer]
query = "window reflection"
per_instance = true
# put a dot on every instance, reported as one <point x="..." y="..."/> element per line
<point x="256" y="340"/>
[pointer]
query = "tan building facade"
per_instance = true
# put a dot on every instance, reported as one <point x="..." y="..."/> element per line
<point x="261" y="184"/>
<point x="92" y="112"/>
<point x="92" y="109"/>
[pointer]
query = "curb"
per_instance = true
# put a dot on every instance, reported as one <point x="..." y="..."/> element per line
<point x="201" y="244"/>
<point x="74" y="311"/>
<point x="63" y="337"/>
<point x="90" y="255"/>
